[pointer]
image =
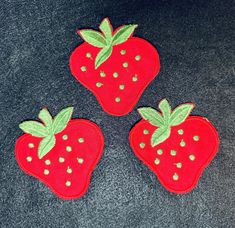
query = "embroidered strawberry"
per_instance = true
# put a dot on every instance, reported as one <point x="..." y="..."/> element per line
<point x="175" y="146"/>
<point x="61" y="152"/>
<point x="115" y="66"/>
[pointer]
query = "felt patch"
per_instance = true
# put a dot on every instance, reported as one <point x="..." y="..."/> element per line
<point x="115" y="66"/>
<point x="60" y="152"/>
<point x="177" y="147"/>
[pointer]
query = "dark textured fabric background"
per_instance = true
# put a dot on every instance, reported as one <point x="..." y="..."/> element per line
<point x="196" y="45"/>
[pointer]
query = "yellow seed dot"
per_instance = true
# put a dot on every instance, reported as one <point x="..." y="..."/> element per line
<point x="68" y="148"/>
<point x="160" y="151"/>
<point x="83" y="68"/>
<point x="180" y="131"/>
<point x="98" y="84"/>
<point x="135" y="78"/>
<point x="123" y="52"/>
<point x="145" y="131"/>
<point x="46" y="172"/>
<point x="117" y="99"/>
<point x="179" y="165"/>
<point x="182" y="143"/>
<point x="173" y="152"/>
<point x="102" y="74"/>
<point x="192" y="157"/>
<point x="125" y="64"/>
<point x="142" y="145"/>
<point x="175" y="177"/>
<point x="195" y="137"/>
<point x="88" y="55"/>
<point x="137" y="58"/>
<point x="47" y="162"/>
<point x="29" y="159"/>
<point x="121" y="87"/>
<point x="115" y="74"/>
<point x="31" y="145"/>
<point x="69" y="170"/>
<point x="65" y="137"/>
<point x="61" y="159"/>
<point x="157" y="161"/>
<point x="80" y="160"/>
<point x="81" y="140"/>
<point x="68" y="183"/>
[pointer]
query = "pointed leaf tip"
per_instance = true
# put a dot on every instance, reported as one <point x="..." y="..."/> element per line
<point x="46" y="145"/>
<point x="34" y="128"/>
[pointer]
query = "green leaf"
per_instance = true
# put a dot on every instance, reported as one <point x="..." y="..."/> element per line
<point x="107" y="29"/>
<point x="160" y="135"/>
<point x="46" y="145"/>
<point x="34" y="128"/>
<point x="61" y="120"/>
<point x="102" y="56"/>
<point x="92" y="37"/>
<point x="123" y="34"/>
<point x="165" y="109"/>
<point x="180" y="114"/>
<point x="46" y="117"/>
<point x="153" y="116"/>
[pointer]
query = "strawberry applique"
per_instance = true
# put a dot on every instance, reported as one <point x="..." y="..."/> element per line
<point x="175" y="146"/>
<point x="115" y="66"/>
<point x="61" y="152"/>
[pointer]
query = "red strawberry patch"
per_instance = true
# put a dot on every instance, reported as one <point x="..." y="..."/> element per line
<point x="175" y="146"/>
<point x="115" y="66"/>
<point x="61" y="152"/>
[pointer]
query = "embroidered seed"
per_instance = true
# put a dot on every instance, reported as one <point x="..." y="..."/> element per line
<point x="61" y="159"/>
<point x="179" y="165"/>
<point x="83" y="69"/>
<point x="29" y="159"/>
<point x="117" y="99"/>
<point x="195" y="137"/>
<point x="69" y="170"/>
<point x="88" y="55"/>
<point x="81" y="140"/>
<point x="192" y="157"/>
<point x="102" y="74"/>
<point x="68" y="148"/>
<point x="115" y="74"/>
<point x="31" y="145"/>
<point x="47" y="162"/>
<point x="46" y="172"/>
<point x="80" y="160"/>
<point x="175" y="177"/>
<point x="157" y="161"/>
<point x="173" y="152"/>
<point x="68" y="183"/>
<point x="65" y="137"/>
<point x="182" y="143"/>
<point x="125" y="64"/>
<point x="145" y="131"/>
<point x="123" y="52"/>
<point x="135" y="78"/>
<point x="160" y="151"/>
<point x="137" y="58"/>
<point x="142" y="145"/>
<point x="98" y="84"/>
<point x="121" y="87"/>
<point x="180" y="132"/>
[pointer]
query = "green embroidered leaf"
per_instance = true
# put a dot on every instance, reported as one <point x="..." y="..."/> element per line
<point x="34" y="128"/>
<point x="180" y="114"/>
<point x="92" y="37"/>
<point x="160" y="135"/>
<point x="153" y="116"/>
<point x="165" y="109"/>
<point x="106" y="28"/>
<point x="123" y="34"/>
<point x="46" y="117"/>
<point x="61" y="120"/>
<point x="46" y="145"/>
<point x="102" y="56"/>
